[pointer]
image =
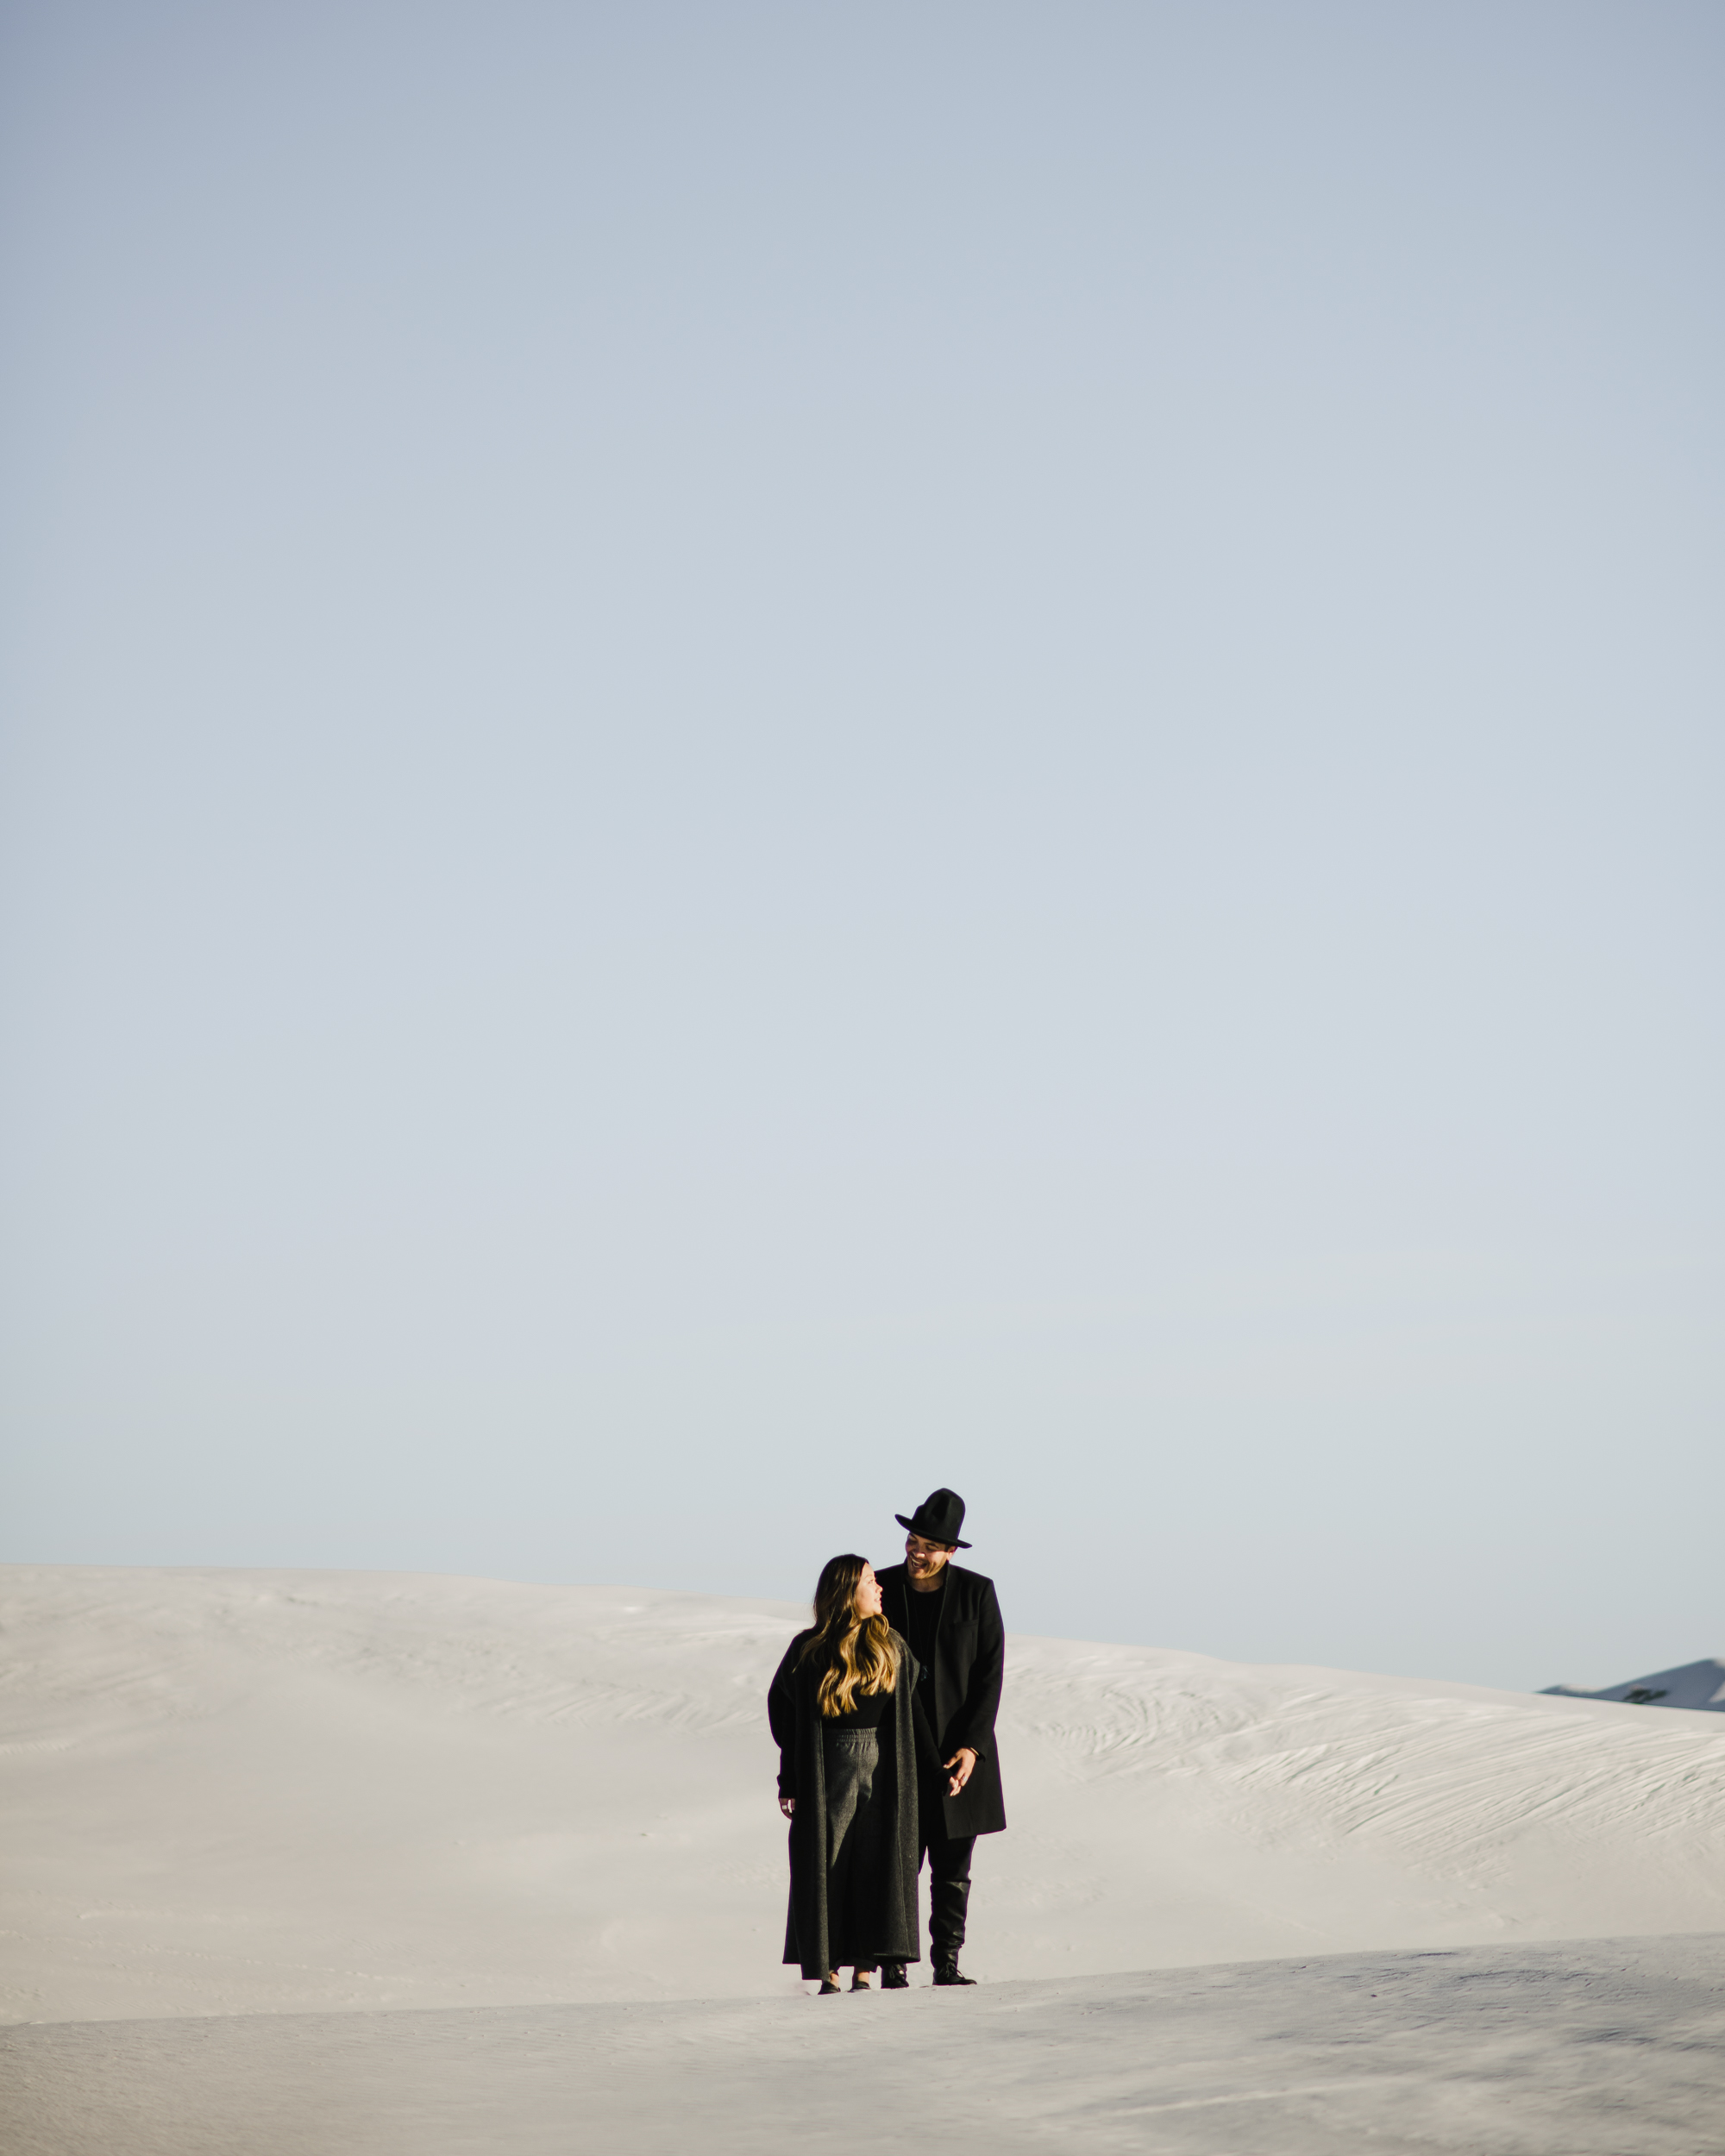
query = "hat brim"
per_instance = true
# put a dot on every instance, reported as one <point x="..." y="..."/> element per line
<point x="915" y="1530"/>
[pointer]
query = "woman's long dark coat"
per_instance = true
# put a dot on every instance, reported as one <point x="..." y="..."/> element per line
<point x="795" y="1718"/>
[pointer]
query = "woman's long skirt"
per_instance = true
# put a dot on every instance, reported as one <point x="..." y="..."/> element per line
<point x="856" y="1880"/>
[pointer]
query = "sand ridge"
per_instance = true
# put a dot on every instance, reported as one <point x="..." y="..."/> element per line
<point x="244" y="1792"/>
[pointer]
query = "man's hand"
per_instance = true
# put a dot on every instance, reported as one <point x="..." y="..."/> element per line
<point x="787" y="1805"/>
<point x="961" y="1766"/>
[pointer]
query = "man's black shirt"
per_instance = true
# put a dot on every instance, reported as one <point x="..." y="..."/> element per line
<point x="922" y="1619"/>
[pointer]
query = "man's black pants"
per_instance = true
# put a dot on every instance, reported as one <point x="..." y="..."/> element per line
<point x="949" y="1883"/>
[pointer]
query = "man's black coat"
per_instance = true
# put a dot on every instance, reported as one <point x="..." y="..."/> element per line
<point x="968" y="1661"/>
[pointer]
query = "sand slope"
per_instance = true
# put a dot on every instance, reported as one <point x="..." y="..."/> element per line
<point x="1606" y="2048"/>
<point x="234" y="1792"/>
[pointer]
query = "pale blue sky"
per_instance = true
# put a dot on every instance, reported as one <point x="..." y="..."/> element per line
<point x="765" y="754"/>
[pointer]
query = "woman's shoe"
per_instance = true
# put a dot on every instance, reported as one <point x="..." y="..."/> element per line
<point x="893" y="1977"/>
<point x="859" y="1979"/>
<point x="827" y="1985"/>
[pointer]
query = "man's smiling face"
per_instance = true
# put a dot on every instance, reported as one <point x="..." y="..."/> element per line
<point x="926" y="1561"/>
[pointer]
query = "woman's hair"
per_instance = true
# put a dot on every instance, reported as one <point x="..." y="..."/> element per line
<point x="860" y="1653"/>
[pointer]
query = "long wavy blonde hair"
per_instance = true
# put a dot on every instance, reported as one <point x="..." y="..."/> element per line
<point x="860" y="1653"/>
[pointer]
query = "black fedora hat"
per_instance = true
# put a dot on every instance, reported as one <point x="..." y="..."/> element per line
<point x="938" y="1518"/>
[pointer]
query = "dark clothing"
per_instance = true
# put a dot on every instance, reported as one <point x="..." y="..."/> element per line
<point x="922" y="1623"/>
<point x="948" y="1892"/>
<point x="851" y="1759"/>
<point x="869" y="1713"/>
<point x="967" y="1661"/>
<point x="948" y="1858"/>
<point x="855" y="1852"/>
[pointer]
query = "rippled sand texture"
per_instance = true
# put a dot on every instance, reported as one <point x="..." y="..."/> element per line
<point x="1601" y="2048"/>
<point x="226" y="1792"/>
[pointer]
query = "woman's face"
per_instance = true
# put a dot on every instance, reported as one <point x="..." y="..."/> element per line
<point x="868" y="1594"/>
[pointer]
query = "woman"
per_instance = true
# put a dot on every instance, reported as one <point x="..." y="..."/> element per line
<point x="845" y="1716"/>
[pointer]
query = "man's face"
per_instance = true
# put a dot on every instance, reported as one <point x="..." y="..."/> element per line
<point x="924" y="1560"/>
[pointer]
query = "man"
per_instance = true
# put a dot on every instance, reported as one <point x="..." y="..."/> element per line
<point x="953" y="1624"/>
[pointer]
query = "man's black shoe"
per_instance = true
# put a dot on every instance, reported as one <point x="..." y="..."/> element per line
<point x="893" y="1977"/>
<point x="946" y="1970"/>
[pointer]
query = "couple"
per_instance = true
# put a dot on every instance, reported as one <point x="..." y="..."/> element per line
<point x="884" y="1716"/>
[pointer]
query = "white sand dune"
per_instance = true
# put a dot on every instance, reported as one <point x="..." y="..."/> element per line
<point x="1606" y="2048"/>
<point x="241" y="1793"/>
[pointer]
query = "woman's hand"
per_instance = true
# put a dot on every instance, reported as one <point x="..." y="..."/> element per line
<point x="787" y="1805"/>
<point x="961" y="1766"/>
